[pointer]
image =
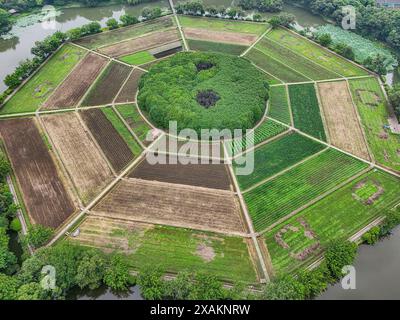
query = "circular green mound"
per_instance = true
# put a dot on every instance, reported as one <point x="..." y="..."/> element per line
<point x="203" y="91"/>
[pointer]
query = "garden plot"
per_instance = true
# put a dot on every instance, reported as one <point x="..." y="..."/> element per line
<point x="316" y="53"/>
<point x="273" y="200"/>
<point x="276" y="156"/>
<point x="107" y="85"/>
<point x="206" y="175"/>
<point x="209" y="46"/>
<point x="122" y="34"/>
<point x="220" y="36"/>
<point x="371" y="104"/>
<point x="171" y="204"/>
<point x="305" y="110"/>
<point x="172" y="249"/>
<point x="344" y="129"/>
<point x="142" y="43"/>
<point x="128" y="92"/>
<point x="71" y="91"/>
<point x="279" y="108"/>
<point x="43" y="190"/>
<point x="86" y="165"/>
<point x="111" y="143"/>
<point x="299" y="240"/>
<point x="30" y="97"/>
<point x="274" y="67"/>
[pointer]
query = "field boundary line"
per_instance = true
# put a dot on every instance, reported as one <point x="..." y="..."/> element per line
<point x="178" y="24"/>
<point x="289" y="104"/>
<point x="255" y="42"/>
<point x="284" y="170"/>
<point x="322" y="113"/>
<point x="315" y="200"/>
<point x="122" y="86"/>
<point x="248" y="220"/>
<point x="267" y="256"/>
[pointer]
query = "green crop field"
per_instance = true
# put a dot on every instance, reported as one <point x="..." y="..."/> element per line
<point x="222" y="25"/>
<point x="43" y="83"/>
<point x="199" y="45"/>
<point x="338" y="216"/>
<point x="278" y="155"/>
<point x="265" y="131"/>
<point x="274" y="67"/>
<point x="293" y="189"/>
<point x="279" y="104"/>
<point x="371" y="104"/>
<point x="138" y="58"/>
<point x="134" y="120"/>
<point x="314" y="52"/>
<point x="122" y="130"/>
<point x="294" y="61"/>
<point x="305" y="110"/>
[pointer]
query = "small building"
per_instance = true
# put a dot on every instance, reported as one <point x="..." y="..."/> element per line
<point x="391" y="4"/>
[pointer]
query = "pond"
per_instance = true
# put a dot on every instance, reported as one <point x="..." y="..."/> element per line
<point x="104" y="293"/>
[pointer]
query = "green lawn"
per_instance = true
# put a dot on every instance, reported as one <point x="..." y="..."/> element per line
<point x="340" y="215"/>
<point x="199" y="45"/>
<point x="305" y="110"/>
<point x="274" y="67"/>
<point x="371" y="104"/>
<point x="43" y="83"/>
<point x="222" y="24"/>
<point x="279" y="104"/>
<point x="314" y="52"/>
<point x="138" y="58"/>
<point x="282" y="195"/>
<point x="122" y="130"/>
<point x="135" y="121"/>
<point x="277" y="155"/>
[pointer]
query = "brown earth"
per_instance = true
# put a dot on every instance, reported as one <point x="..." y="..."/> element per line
<point x="202" y="175"/>
<point x="71" y="91"/>
<point x="220" y="36"/>
<point x="86" y="165"/>
<point x="170" y="204"/>
<point x="141" y="43"/>
<point x="341" y="118"/>
<point x="128" y="92"/>
<point x="108" y="85"/>
<point x="46" y="198"/>
<point x="109" y="140"/>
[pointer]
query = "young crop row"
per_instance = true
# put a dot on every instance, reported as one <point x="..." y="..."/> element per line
<point x="200" y="45"/>
<point x="279" y="104"/>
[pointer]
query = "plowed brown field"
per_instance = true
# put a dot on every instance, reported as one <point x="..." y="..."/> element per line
<point x="128" y="92"/>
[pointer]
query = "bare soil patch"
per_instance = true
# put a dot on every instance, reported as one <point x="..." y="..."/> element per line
<point x="220" y="36"/>
<point x="341" y="118"/>
<point x="142" y="43"/>
<point x="71" y="91"/>
<point x="87" y="167"/>
<point x="46" y="198"/>
<point x="170" y="204"/>
<point x="206" y="252"/>
<point x="128" y="92"/>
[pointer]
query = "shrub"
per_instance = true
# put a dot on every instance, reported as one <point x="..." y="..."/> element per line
<point x="325" y="39"/>
<point x="15" y="225"/>
<point x="372" y="236"/>
<point x="284" y="287"/>
<point x="117" y="275"/>
<point x="112" y="24"/>
<point x="339" y="253"/>
<point x="127" y="20"/>
<point x="38" y="235"/>
<point x="344" y="50"/>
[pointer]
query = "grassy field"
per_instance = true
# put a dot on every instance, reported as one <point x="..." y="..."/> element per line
<point x="122" y="130"/>
<point x="314" y="52"/>
<point x="222" y="25"/>
<point x="278" y="155"/>
<point x="199" y="45"/>
<point x="305" y="110"/>
<point x="282" y="195"/>
<point x="138" y="58"/>
<point x="279" y="104"/>
<point x="295" y="61"/>
<point x="42" y="84"/>
<point x="266" y="130"/>
<point x="274" y="67"/>
<point x="135" y="121"/>
<point x="371" y="105"/>
<point x="340" y="215"/>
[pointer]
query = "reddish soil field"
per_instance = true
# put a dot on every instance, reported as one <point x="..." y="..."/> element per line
<point x="45" y="196"/>
<point x="112" y="144"/>
<point x="71" y="91"/>
<point x="220" y="36"/>
<point x="201" y="175"/>
<point x="128" y="92"/>
<point x="108" y="85"/>
<point x="171" y="204"/>
<point x="141" y="43"/>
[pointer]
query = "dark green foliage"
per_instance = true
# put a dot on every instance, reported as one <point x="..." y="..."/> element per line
<point x="5" y="22"/>
<point x="31" y="291"/>
<point x="168" y="92"/>
<point x="283" y="19"/>
<point x="38" y="235"/>
<point x="338" y="254"/>
<point x="392" y="219"/>
<point x="127" y="20"/>
<point x="8" y="287"/>
<point x="284" y="287"/>
<point x="344" y="50"/>
<point x="91" y="270"/>
<point x="376" y="63"/>
<point x="151" y="13"/>
<point x="261" y="5"/>
<point x="151" y="284"/>
<point x="314" y="282"/>
<point x="117" y="275"/>
<point x="112" y="24"/>
<point x="325" y="39"/>
<point x="394" y="97"/>
<point x="372" y="236"/>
